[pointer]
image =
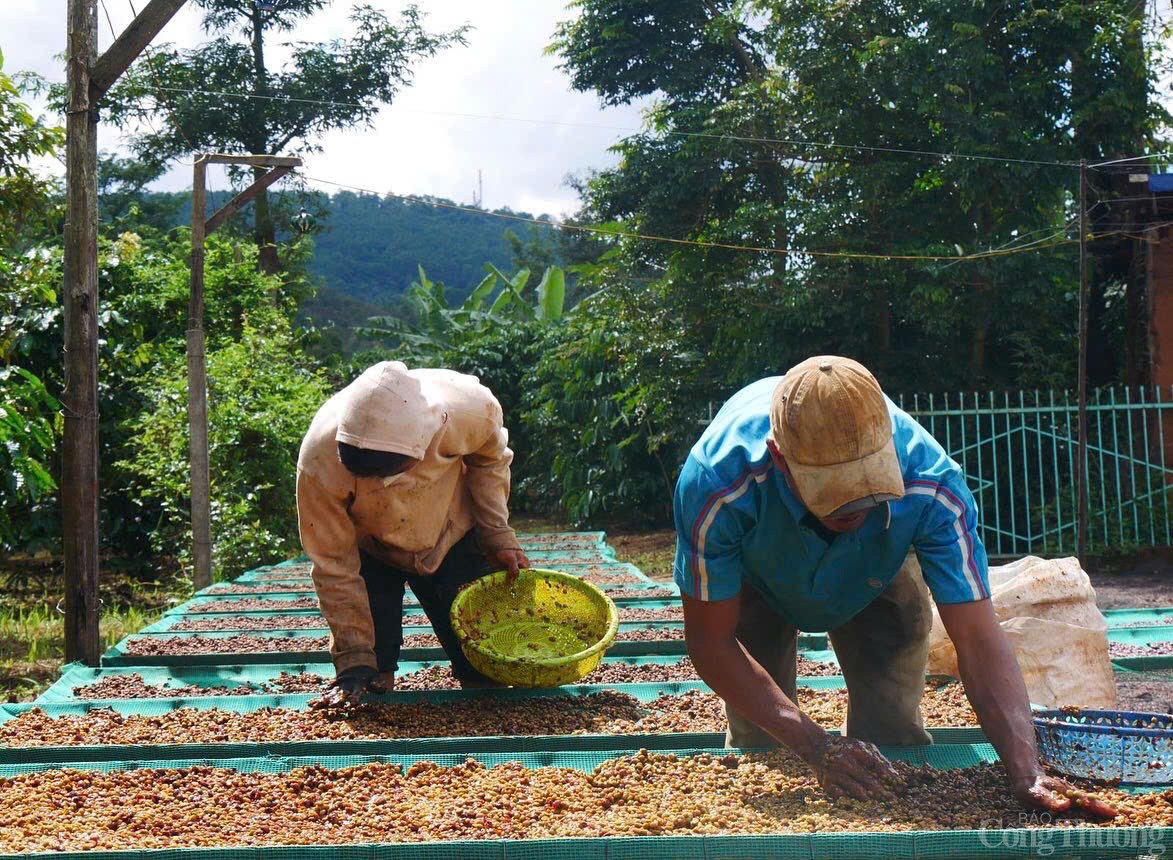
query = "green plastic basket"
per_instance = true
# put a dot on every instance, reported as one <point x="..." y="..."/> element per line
<point x="546" y="630"/>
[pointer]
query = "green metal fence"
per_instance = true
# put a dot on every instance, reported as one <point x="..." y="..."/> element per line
<point x="1019" y="449"/>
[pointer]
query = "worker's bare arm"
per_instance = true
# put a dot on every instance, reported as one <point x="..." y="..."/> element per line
<point x="993" y="682"/>
<point x="844" y="766"/>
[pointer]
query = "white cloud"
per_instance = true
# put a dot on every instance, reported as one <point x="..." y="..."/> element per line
<point x="439" y="131"/>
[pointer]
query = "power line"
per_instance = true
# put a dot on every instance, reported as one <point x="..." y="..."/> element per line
<point x="1133" y="158"/>
<point x="696" y="134"/>
<point x="620" y="234"/>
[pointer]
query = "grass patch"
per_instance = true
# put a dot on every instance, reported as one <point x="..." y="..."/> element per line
<point x="32" y="630"/>
<point x="32" y="644"/>
<point x="652" y="551"/>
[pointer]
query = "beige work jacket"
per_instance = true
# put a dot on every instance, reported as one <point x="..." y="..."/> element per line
<point x="454" y="426"/>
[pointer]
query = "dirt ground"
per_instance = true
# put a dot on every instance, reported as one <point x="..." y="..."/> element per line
<point x="1137" y="581"/>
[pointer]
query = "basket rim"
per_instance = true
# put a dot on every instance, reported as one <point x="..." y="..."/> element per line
<point x="1055" y="719"/>
<point x="549" y="663"/>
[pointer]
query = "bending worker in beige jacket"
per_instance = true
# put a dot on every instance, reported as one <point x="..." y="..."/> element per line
<point x="402" y="479"/>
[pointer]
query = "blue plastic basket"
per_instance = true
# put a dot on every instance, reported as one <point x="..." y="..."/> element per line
<point x="1133" y="748"/>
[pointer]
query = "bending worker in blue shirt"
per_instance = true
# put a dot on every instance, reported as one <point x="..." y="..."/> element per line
<point x="812" y="503"/>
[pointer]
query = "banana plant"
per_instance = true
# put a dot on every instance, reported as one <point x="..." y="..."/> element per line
<point x="432" y="322"/>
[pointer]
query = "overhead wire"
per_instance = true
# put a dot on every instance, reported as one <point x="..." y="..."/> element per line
<point x="627" y="130"/>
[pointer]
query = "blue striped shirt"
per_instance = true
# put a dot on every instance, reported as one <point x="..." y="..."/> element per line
<point x="738" y="521"/>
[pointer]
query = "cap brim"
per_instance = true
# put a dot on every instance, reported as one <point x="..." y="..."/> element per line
<point x="826" y="489"/>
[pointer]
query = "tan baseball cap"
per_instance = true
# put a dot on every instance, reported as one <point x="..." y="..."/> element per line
<point x="829" y="419"/>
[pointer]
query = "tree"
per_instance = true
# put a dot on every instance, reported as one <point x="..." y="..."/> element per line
<point x="29" y="423"/>
<point x="774" y="126"/>
<point x="225" y="96"/>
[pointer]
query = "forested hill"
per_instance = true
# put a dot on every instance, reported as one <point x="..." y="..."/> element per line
<point x="369" y="248"/>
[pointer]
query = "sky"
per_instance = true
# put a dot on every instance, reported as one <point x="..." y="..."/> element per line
<point x="436" y="135"/>
<point x="498" y="105"/>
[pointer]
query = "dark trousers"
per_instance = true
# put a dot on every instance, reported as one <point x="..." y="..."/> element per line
<point x="882" y="652"/>
<point x="385" y="586"/>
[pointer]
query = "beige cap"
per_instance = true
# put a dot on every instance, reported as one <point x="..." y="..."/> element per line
<point x="386" y="410"/>
<point x="829" y="419"/>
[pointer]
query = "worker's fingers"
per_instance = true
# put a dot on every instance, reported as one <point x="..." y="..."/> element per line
<point x="1080" y="799"/>
<point x="1041" y="796"/>
<point x="328" y="699"/>
<point x="874" y="760"/>
<point x="1095" y="806"/>
<point x="843" y="785"/>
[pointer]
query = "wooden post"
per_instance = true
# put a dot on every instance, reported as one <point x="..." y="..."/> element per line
<point x="1081" y="461"/>
<point x="197" y="390"/>
<point x="88" y="77"/>
<point x="197" y="385"/>
<point x="79" y="470"/>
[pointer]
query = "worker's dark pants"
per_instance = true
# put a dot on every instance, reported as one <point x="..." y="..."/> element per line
<point x="882" y="652"/>
<point x="385" y="586"/>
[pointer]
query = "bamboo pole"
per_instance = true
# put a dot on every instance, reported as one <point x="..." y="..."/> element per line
<point x="197" y="389"/>
<point x="197" y="376"/>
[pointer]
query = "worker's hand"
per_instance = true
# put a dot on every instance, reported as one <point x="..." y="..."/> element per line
<point x="1053" y="795"/>
<point x="847" y="767"/>
<point x="349" y="687"/>
<point x="511" y="560"/>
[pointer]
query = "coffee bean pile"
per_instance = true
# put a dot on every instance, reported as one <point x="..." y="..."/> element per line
<point x="134" y="686"/>
<point x="170" y="646"/>
<point x="1151" y="649"/>
<point x="235" y="622"/>
<point x="251" y="588"/>
<point x="629" y="593"/>
<point x="644" y="794"/>
<point x="247" y="604"/>
<point x="605" y="712"/>
<point x="611" y="578"/>
<point x="650" y="634"/>
<point x="662" y="613"/>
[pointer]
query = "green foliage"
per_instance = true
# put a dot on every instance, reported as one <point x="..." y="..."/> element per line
<point x="25" y="201"/>
<point x="736" y="85"/>
<point x="615" y="410"/>
<point x="28" y="434"/>
<point x="261" y="398"/>
<point x="29" y="424"/>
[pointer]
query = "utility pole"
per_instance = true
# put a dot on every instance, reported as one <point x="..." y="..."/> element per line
<point x="88" y="77"/>
<point x="1081" y="462"/>
<point x="197" y="368"/>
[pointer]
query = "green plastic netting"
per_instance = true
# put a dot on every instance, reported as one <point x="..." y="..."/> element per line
<point x="938" y="755"/>
<point x="412" y="618"/>
<point x="76" y="674"/>
<point x="193" y="605"/>
<point x="1141" y="635"/>
<point x="117" y="655"/>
